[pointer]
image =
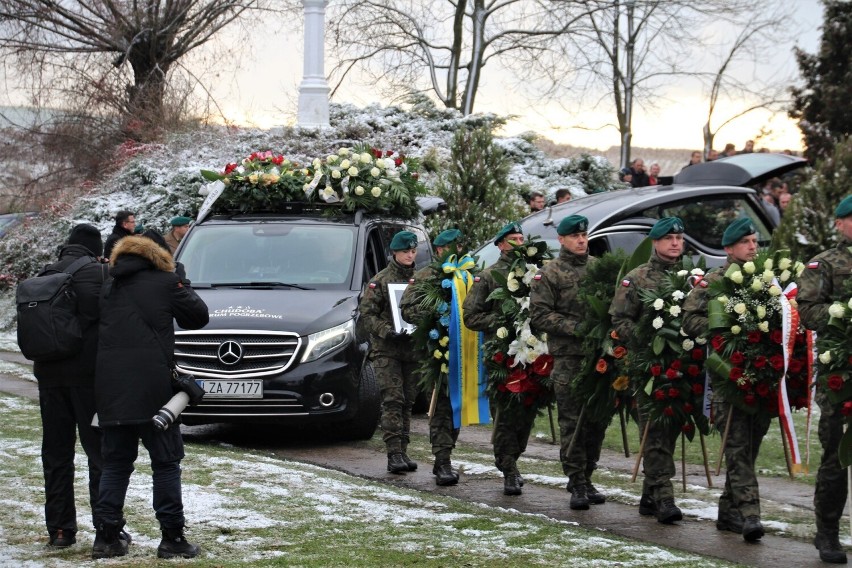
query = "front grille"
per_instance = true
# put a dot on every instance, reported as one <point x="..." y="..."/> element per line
<point x="262" y="353"/>
<point x="275" y="405"/>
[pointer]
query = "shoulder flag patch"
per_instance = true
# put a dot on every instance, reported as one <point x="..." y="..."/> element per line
<point x="476" y="278"/>
<point x="702" y="283"/>
<point x="372" y="285"/>
<point x="625" y="282"/>
<point x="814" y="264"/>
<point x="411" y="280"/>
<point x="537" y="276"/>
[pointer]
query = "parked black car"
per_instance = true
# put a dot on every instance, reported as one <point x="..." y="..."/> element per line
<point x="283" y="343"/>
<point x="705" y="196"/>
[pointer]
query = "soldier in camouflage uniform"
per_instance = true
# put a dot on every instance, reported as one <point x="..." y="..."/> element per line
<point x="511" y="428"/>
<point x="826" y="280"/>
<point x="442" y="434"/>
<point x="392" y="352"/>
<point x="556" y="309"/>
<point x="626" y="310"/>
<point x="739" y="504"/>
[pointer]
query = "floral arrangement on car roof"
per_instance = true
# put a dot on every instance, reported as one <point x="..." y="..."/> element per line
<point x="358" y="178"/>
<point x="753" y="331"/>
<point x="666" y="364"/>
<point x="834" y="346"/>
<point x="518" y="362"/>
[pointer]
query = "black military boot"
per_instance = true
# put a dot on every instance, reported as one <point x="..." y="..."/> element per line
<point x="62" y="538"/>
<point x="647" y="505"/>
<point x="412" y="465"/>
<point x="579" y="497"/>
<point x="752" y="529"/>
<point x="829" y="548"/>
<point x="444" y="473"/>
<point x="668" y="512"/>
<point x="595" y="496"/>
<point x="175" y="545"/>
<point x="730" y="521"/>
<point x="396" y="463"/>
<point x="511" y="484"/>
<point x="108" y="542"/>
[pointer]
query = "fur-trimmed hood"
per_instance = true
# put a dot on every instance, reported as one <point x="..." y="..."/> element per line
<point x="145" y="248"/>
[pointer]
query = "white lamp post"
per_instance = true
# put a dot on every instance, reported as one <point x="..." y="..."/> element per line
<point x="313" y="92"/>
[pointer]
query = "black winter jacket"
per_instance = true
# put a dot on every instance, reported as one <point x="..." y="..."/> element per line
<point x="133" y="378"/>
<point x="118" y="233"/>
<point x="79" y="370"/>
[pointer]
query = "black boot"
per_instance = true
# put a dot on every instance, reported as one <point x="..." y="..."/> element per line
<point x="108" y="541"/>
<point x="410" y="464"/>
<point x="668" y="512"/>
<point x="752" y="529"/>
<point x="511" y="484"/>
<point x="579" y="497"/>
<point x="444" y="473"/>
<point x="396" y="463"/>
<point x="730" y="521"/>
<point x="175" y="545"/>
<point x="62" y="538"/>
<point x="647" y="505"/>
<point x="829" y="548"/>
<point x="595" y="496"/>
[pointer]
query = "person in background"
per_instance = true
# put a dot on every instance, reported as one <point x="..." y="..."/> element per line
<point x="626" y="175"/>
<point x="125" y="224"/>
<point x="784" y="201"/>
<point x="180" y="226"/>
<point x="712" y="155"/>
<point x="536" y="201"/>
<point x="563" y="195"/>
<point x="392" y="352"/>
<point x="638" y="178"/>
<point x="654" y="174"/>
<point x="730" y="150"/>
<point x="825" y="281"/>
<point x="133" y="380"/>
<point x="66" y="394"/>
<point x="694" y="158"/>
<point x="748" y="148"/>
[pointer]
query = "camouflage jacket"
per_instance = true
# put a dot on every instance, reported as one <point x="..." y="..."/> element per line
<point x="480" y="313"/>
<point x="824" y="280"/>
<point x="695" y="305"/>
<point x="410" y="304"/>
<point x="376" y="315"/>
<point x="626" y="307"/>
<point x="555" y="304"/>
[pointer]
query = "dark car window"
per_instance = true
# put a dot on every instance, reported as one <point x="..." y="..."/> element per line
<point x="707" y="217"/>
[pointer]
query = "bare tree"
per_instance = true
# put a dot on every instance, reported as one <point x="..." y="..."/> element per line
<point x="149" y="36"/>
<point x="442" y="47"/>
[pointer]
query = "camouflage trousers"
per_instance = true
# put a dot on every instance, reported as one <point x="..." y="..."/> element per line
<point x="398" y="388"/>
<point x="658" y="455"/>
<point x="512" y="427"/>
<point x="741" y="448"/>
<point x="442" y="435"/>
<point x="590" y="435"/>
<point x="831" y="488"/>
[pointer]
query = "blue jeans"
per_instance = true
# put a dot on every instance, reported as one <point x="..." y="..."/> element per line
<point x="120" y="449"/>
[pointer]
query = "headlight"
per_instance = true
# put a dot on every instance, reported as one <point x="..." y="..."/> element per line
<point x="323" y="342"/>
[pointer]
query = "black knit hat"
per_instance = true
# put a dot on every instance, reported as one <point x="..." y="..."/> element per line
<point x="89" y="236"/>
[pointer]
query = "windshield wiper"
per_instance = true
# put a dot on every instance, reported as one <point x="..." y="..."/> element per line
<point x="257" y="285"/>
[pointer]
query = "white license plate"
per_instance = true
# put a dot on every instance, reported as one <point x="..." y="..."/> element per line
<point x="215" y="388"/>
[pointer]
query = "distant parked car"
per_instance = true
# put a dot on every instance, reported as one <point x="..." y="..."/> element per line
<point x="10" y="220"/>
<point x="706" y="196"/>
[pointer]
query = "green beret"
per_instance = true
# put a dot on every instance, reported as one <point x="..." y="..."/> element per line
<point x="572" y="224"/>
<point x="446" y="237"/>
<point x="180" y="221"/>
<point x="845" y="208"/>
<point x="666" y="226"/>
<point x="510" y="229"/>
<point x="404" y="240"/>
<point x="737" y="230"/>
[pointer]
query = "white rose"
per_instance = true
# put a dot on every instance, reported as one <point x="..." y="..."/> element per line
<point x="376" y="191"/>
<point x="735" y="329"/>
<point x="658" y="304"/>
<point x="825" y="357"/>
<point x="723" y="299"/>
<point x="682" y="273"/>
<point x="785" y="263"/>
<point x="737" y="277"/>
<point x="331" y="159"/>
<point x="763" y="326"/>
<point x="365" y="158"/>
<point x="316" y="163"/>
<point x="768" y="275"/>
<point x="836" y="310"/>
<point x="335" y="174"/>
<point x="785" y="276"/>
<point x="352" y="171"/>
<point x="749" y="267"/>
<point x="740" y="308"/>
<point x="519" y="271"/>
<point x="768" y="264"/>
<point x="687" y="344"/>
<point x="761" y="312"/>
<point x="798" y="268"/>
<point x="343" y="151"/>
<point x="678" y="295"/>
<point x="381" y="163"/>
<point x="850" y="304"/>
<point x="657" y="323"/>
<point x="513" y="285"/>
<point x="375" y="172"/>
<point x="696" y="272"/>
<point x="327" y="192"/>
<point x="359" y="190"/>
<point x="344" y="165"/>
<point x="774" y="291"/>
<point x="700" y="340"/>
<point x="532" y="251"/>
<point x="502" y="333"/>
<point x="757" y="284"/>
<point x="674" y="311"/>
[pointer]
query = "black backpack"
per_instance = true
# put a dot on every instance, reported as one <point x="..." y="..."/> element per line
<point x="48" y="328"/>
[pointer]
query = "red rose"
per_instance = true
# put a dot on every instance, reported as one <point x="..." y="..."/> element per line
<point x="688" y="408"/>
<point x="675" y="365"/>
<point x="776" y="336"/>
<point x="278" y="160"/>
<point x="543" y="365"/>
<point x="835" y="382"/>
<point x="687" y="428"/>
<point x="376" y="152"/>
<point x="737" y="357"/>
<point x="674" y="393"/>
<point x="693" y="370"/>
<point x="777" y="362"/>
<point x="796" y="365"/>
<point x="697" y="388"/>
<point x="659" y="395"/>
<point x="753" y="336"/>
<point x="847" y="408"/>
<point x="229" y="168"/>
<point x="735" y="374"/>
<point x="499" y="357"/>
<point x="668" y="411"/>
<point x="749" y="399"/>
<point x="717" y="342"/>
<point x="619" y="352"/>
<point x="759" y="362"/>
<point x="656" y="370"/>
<point x="671" y="374"/>
<point x="762" y="389"/>
<point x="601" y="366"/>
<point x="698" y="354"/>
